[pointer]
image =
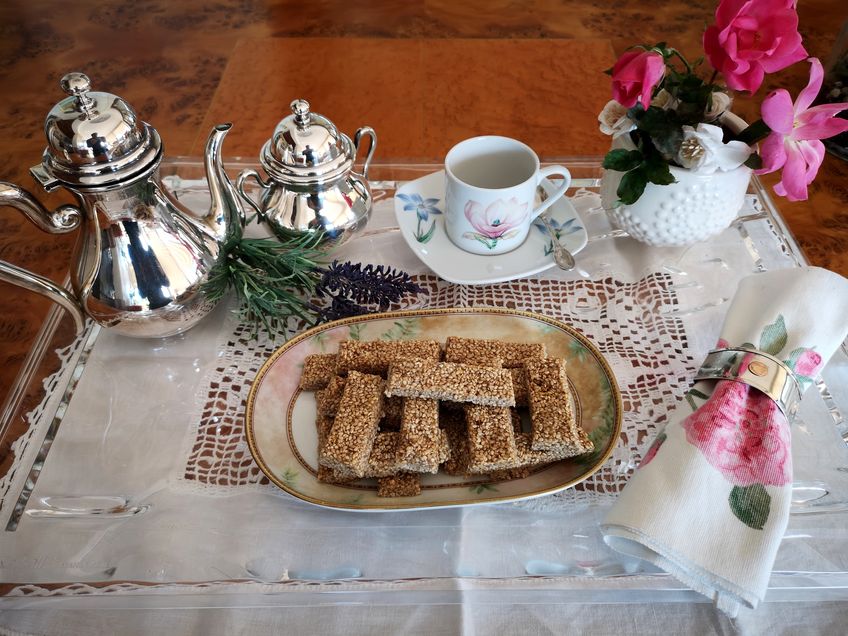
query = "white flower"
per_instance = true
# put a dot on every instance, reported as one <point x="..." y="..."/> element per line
<point x="704" y="152"/>
<point x="614" y="120"/>
<point x="664" y="100"/>
<point x="721" y="102"/>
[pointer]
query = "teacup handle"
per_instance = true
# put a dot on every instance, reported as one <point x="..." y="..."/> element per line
<point x="557" y="194"/>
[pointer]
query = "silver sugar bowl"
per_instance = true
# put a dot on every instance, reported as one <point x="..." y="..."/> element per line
<point x="312" y="186"/>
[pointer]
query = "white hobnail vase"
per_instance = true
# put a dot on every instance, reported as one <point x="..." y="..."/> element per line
<point x="693" y="209"/>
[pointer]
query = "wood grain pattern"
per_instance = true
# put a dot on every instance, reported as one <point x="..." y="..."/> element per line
<point x="432" y="93"/>
<point x="168" y="58"/>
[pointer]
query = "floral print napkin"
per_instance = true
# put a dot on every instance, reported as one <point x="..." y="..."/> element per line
<point x="710" y="501"/>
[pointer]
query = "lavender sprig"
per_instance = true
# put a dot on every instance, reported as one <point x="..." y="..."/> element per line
<point x="353" y="289"/>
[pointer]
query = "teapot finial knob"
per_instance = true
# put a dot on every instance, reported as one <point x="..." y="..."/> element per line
<point x="300" y="108"/>
<point x="78" y="85"/>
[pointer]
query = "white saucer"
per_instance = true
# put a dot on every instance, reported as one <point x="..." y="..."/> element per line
<point x="419" y="207"/>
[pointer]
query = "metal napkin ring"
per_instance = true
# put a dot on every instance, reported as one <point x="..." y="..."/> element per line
<point x="762" y="371"/>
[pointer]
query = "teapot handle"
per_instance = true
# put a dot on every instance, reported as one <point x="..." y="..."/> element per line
<point x="63" y="219"/>
<point x="357" y="140"/>
<point x="243" y="176"/>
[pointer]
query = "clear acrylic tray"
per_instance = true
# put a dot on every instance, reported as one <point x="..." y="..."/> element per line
<point x="116" y="494"/>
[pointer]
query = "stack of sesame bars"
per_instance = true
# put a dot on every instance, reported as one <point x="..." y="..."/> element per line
<point x="393" y="410"/>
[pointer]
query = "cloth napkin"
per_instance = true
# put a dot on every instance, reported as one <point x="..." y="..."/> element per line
<point x="710" y="501"/>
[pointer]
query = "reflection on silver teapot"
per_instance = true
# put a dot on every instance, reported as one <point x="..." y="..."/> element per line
<point x="312" y="186"/>
<point x="142" y="258"/>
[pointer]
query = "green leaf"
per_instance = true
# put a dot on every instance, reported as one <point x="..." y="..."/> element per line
<point x="623" y="160"/>
<point x="751" y="505"/>
<point x="664" y="128"/>
<point x="632" y="186"/>
<point x="699" y="394"/>
<point x="657" y="170"/>
<point x="774" y="337"/>
<point x="754" y="161"/>
<point x="793" y="357"/>
<point x="757" y="131"/>
<point x="426" y="237"/>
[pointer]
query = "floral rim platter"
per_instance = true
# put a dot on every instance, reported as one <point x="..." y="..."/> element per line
<point x="280" y="419"/>
<point x="419" y="207"/>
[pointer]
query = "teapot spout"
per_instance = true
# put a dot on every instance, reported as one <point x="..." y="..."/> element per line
<point x="226" y="214"/>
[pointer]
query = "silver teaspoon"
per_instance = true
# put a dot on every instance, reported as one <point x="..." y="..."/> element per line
<point x="562" y="257"/>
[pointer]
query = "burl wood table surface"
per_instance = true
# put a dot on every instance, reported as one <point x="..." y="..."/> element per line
<point x="425" y="73"/>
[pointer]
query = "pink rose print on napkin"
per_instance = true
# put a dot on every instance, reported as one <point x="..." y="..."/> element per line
<point x="500" y="220"/>
<point x="808" y="363"/>
<point x="743" y="434"/>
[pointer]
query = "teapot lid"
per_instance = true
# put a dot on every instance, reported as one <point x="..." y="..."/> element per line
<point x="94" y="139"/>
<point x="306" y="148"/>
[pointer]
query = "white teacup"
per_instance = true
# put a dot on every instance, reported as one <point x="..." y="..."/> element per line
<point x="491" y="192"/>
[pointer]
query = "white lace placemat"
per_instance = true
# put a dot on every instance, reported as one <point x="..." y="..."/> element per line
<point x="632" y="323"/>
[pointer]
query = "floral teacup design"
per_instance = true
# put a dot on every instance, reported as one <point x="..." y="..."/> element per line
<point x="490" y="193"/>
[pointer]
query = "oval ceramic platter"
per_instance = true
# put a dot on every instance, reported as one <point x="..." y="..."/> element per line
<point x="280" y="419"/>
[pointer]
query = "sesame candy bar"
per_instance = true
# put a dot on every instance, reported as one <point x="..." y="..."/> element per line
<point x="529" y="457"/>
<point x="515" y="416"/>
<point x="352" y="436"/>
<point x="491" y="439"/>
<point x="512" y="354"/>
<point x="376" y="356"/>
<point x="391" y="455"/>
<point x="449" y="381"/>
<point x="386" y="455"/>
<point x="392" y="413"/>
<point x="400" y="485"/>
<point x="323" y="424"/>
<point x="552" y="410"/>
<point x="546" y="375"/>
<point x="331" y="476"/>
<point x="419" y="429"/>
<point x="511" y="473"/>
<point x="519" y="385"/>
<point x="457" y="437"/>
<point x="327" y="400"/>
<point x="318" y="370"/>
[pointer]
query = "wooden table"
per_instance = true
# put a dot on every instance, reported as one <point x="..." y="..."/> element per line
<point x="184" y="65"/>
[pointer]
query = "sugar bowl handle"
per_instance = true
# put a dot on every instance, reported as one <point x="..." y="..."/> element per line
<point x="65" y="218"/>
<point x="357" y="140"/>
<point x="244" y="176"/>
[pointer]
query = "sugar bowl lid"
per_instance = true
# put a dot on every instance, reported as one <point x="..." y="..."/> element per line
<point x="307" y="148"/>
<point x="95" y="139"/>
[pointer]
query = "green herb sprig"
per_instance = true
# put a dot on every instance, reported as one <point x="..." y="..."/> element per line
<point x="273" y="280"/>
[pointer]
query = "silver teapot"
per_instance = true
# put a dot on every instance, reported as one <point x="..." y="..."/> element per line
<point x="142" y="259"/>
<point x="312" y="187"/>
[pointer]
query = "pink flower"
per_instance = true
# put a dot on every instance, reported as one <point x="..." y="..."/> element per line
<point x="796" y="130"/>
<point x="498" y="218"/>
<point x="808" y="363"/>
<point x="743" y="434"/>
<point x="634" y="77"/>
<point x="751" y="38"/>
